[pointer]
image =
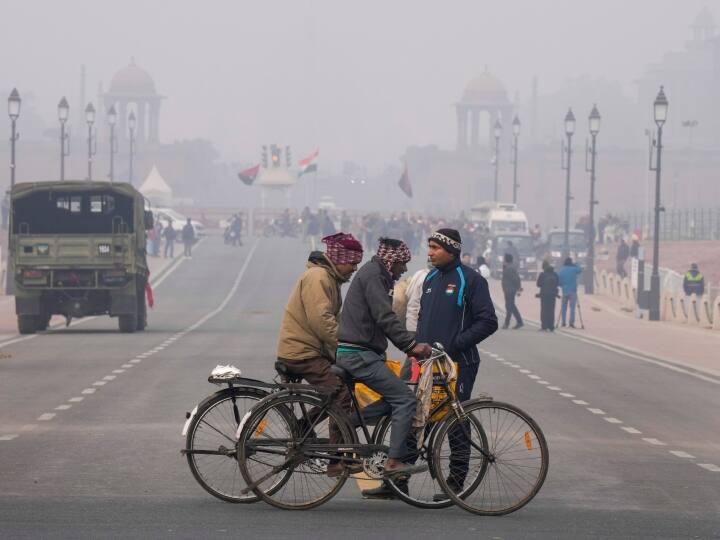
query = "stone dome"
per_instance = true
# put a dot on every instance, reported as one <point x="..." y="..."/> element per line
<point x="485" y="89"/>
<point x="132" y="81"/>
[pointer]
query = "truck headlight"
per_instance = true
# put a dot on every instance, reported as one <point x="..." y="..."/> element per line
<point x="555" y="254"/>
<point x="104" y="249"/>
<point x="42" y="249"/>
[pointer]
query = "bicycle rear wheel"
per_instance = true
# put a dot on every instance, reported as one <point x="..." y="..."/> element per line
<point x="511" y="465"/>
<point x="284" y="454"/>
<point x="210" y="443"/>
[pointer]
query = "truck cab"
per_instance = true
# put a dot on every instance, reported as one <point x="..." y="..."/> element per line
<point x="520" y="245"/>
<point x="78" y="248"/>
<point x="555" y="245"/>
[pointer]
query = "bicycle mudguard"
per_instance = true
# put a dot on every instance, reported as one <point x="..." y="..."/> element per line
<point x="191" y="414"/>
<point x="242" y="381"/>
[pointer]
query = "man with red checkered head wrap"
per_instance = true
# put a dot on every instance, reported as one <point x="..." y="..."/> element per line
<point x="308" y="332"/>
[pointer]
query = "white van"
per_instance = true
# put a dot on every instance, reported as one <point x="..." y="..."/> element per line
<point x="500" y="217"/>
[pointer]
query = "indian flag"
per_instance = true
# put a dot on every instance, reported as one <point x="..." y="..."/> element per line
<point x="308" y="164"/>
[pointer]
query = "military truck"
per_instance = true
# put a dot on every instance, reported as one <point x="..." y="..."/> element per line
<point x="78" y="248"/>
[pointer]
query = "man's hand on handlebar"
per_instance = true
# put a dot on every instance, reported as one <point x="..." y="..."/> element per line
<point x="421" y="350"/>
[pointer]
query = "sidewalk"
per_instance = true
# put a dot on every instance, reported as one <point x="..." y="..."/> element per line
<point x="8" y="321"/>
<point x="605" y="322"/>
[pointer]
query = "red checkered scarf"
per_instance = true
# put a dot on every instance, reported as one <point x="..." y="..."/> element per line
<point x="343" y="249"/>
<point x="390" y="255"/>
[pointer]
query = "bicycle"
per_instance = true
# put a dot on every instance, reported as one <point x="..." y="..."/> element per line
<point x="283" y="448"/>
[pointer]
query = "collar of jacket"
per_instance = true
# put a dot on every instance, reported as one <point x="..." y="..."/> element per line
<point x="319" y="259"/>
<point x="449" y="267"/>
<point x="377" y="260"/>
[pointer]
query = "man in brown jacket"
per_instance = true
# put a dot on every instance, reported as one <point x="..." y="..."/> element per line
<point x="308" y="333"/>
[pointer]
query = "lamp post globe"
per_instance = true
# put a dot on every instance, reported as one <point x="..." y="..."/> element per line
<point x="594" y="121"/>
<point x="14" y="102"/>
<point x="497" y="129"/>
<point x="569" y="123"/>
<point x="90" y="114"/>
<point x="112" y="116"/>
<point x="660" y="108"/>
<point x="516" y="126"/>
<point x="63" y="110"/>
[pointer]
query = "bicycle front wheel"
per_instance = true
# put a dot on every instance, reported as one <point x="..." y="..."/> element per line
<point x="210" y="443"/>
<point x="284" y="450"/>
<point x="508" y="468"/>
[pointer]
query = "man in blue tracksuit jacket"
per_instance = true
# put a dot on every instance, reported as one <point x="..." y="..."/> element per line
<point x="455" y="310"/>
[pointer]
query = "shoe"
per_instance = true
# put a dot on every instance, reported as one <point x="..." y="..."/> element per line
<point x="504" y="326"/>
<point x="518" y="326"/>
<point x="404" y="470"/>
<point x="572" y="325"/>
<point x="384" y="493"/>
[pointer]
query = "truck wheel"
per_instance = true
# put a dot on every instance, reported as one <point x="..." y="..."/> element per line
<point x="128" y="323"/>
<point x="27" y="324"/>
<point x="43" y="321"/>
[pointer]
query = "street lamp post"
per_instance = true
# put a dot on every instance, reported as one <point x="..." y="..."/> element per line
<point x="594" y="125"/>
<point x="516" y="134"/>
<point x="567" y="152"/>
<point x="92" y="149"/>
<point x="497" y="132"/>
<point x="112" y="120"/>
<point x="63" y="113"/>
<point x="14" y="102"/>
<point x="131" y="127"/>
<point x="660" y="110"/>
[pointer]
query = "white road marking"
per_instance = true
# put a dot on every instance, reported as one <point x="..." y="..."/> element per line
<point x="596" y="411"/>
<point x="100" y="383"/>
<point x="136" y="360"/>
<point x="62" y="407"/>
<point x="525" y="371"/>
<point x="580" y="402"/>
<point x="514" y="365"/>
<point x="631" y="430"/>
<point x="118" y="371"/>
<point x="710" y="467"/>
<point x="565" y="394"/>
<point x="89" y="391"/>
<point x="8" y="437"/>
<point x="613" y="420"/>
<point x="126" y="366"/>
<point x="543" y="382"/>
<point x="536" y="377"/>
<point x="76" y="399"/>
<point x="109" y="377"/>
<point x="556" y="388"/>
<point x="680" y="453"/>
<point x="46" y="416"/>
<point x="656" y="442"/>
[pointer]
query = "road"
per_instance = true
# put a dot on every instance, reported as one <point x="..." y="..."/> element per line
<point x="90" y="425"/>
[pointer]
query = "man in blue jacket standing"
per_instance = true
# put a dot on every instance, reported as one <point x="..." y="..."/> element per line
<point x="568" y="283"/>
<point x="456" y="310"/>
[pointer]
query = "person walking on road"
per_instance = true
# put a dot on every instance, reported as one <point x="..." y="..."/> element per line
<point x="694" y="281"/>
<point x="623" y="253"/>
<point x="548" y="282"/>
<point x="188" y="238"/>
<point x="170" y="234"/>
<point x="482" y="267"/>
<point x="366" y="323"/>
<point x="309" y="329"/>
<point x="512" y="287"/>
<point x="568" y="275"/>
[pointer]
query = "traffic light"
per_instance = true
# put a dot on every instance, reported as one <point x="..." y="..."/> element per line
<point x="275" y="155"/>
<point x="288" y="157"/>
<point x="264" y="157"/>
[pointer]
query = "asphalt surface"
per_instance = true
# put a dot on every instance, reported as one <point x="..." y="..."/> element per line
<point x="634" y="447"/>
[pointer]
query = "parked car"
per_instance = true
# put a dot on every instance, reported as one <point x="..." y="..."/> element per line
<point x="525" y="258"/>
<point x="553" y="248"/>
<point x="164" y="215"/>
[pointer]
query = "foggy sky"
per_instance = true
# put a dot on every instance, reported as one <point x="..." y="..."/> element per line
<point x="361" y="80"/>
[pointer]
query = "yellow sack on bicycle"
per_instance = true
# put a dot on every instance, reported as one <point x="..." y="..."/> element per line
<point x="365" y="396"/>
<point x="438" y="391"/>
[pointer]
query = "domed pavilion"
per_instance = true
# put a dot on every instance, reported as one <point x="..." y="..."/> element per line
<point x="484" y="94"/>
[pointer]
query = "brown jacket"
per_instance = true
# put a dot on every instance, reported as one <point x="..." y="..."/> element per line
<point x="309" y="326"/>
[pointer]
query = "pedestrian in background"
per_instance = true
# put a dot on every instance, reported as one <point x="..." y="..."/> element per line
<point x="482" y="267"/>
<point x="512" y="286"/>
<point x="568" y="283"/>
<point x="694" y="281"/>
<point x="623" y="253"/>
<point x="548" y="282"/>
<point x="188" y="238"/>
<point x="635" y="246"/>
<point x="170" y="234"/>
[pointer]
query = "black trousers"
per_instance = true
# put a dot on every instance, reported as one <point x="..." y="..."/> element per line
<point x="547" y="312"/>
<point x="511" y="309"/>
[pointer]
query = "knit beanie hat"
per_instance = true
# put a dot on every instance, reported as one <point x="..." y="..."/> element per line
<point x="449" y="239"/>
